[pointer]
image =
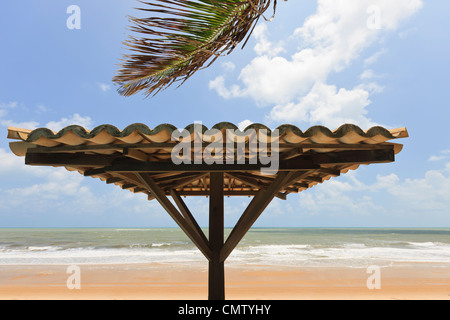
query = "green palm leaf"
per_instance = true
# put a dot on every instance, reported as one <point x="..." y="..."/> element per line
<point x="181" y="37"/>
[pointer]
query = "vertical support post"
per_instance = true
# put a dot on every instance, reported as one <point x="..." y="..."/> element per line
<point x="216" y="277"/>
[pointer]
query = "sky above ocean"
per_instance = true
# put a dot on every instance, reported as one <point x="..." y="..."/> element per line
<point x="324" y="62"/>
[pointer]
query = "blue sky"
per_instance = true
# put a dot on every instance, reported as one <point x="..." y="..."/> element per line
<point x="327" y="62"/>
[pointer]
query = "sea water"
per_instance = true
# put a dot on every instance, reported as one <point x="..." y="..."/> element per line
<point x="307" y="247"/>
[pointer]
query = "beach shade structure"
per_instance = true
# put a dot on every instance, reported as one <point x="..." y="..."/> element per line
<point x="166" y="162"/>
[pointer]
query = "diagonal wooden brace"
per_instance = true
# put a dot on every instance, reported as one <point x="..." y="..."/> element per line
<point x="260" y="201"/>
<point x="175" y="214"/>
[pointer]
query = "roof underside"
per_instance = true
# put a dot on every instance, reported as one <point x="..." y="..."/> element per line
<point x="116" y="157"/>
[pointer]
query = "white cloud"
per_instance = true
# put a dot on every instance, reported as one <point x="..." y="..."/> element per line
<point x="218" y="85"/>
<point x="75" y="119"/>
<point x="51" y="191"/>
<point x="444" y="154"/>
<point x="337" y="197"/>
<point x="327" y="105"/>
<point x="401" y="197"/>
<point x="104" y="87"/>
<point x="14" y="165"/>
<point x="374" y="58"/>
<point x="408" y="32"/>
<point x="427" y="194"/>
<point x="9" y="105"/>
<point x="437" y="158"/>
<point x="4" y="108"/>
<point x="263" y="45"/>
<point x="25" y="124"/>
<point x="228" y="66"/>
<point x="84" y="121"/>
<point x="369" y="74"/>
<point x="331" y="39"/>
<point x="244" y="124"/>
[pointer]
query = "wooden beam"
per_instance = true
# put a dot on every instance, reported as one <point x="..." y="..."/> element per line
<point x="125" y="166"/>
<point x="174" y="176"/>
<point x="216" y="276"/>
<point x="113" y="180"/>
<point x="338" y="146"/>
<point x="174" y="213"/>
<point x="291" y="153"/>
<point x="129" y="186"/>
<point x="252" y="182"/>
<point x="130" y="178"/>
<point x="104" y="147"/>
<point x="328" y="171"/>
<point x="253" y="211"/>
<point x="313" y="179"/>
<point x="169" y="145"/>
<point x="114" y="163"/>
<point x="304" y="162"/>
<point x="188" y="215"/>
<point x="184" y="181"/>
<point x="353" y="156"/>
<point x="135" y="154"/>
<point x="139" y="190"/>
<point x="66" y="159"/>
<point x="94" y="172"/>
<point x="205" y="193"/>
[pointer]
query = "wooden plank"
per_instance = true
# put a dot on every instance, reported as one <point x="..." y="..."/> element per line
<point x="353" y="156"/>
<point x="128" y="186"/>
<point x="174" y="213"/>
<point x="184" y="181"/>
<point x="135" y="154"/>
<point x="170" y="145"/>
<point x="166" y="178"/>
<point x="205" y="193"/>
<point x="313" y="179"/>
<point x="252" y="182"/>
<point x="112" y="163"/>
<point x="83" y="148"/>
<point x="113" y="180"/>
<point x="304" y="162"/>
<point x="139" y="190"/>
<point x="216" y="276"/>
<point x="291" y="153"/>
<point x="328" y="171"/>
<point x="94" y="172"/>
<point x="65" y="159"/>
<point x="339" y="146"/>
<point x="130" y="178"/>
<point x="253" y="211"/>
<point x="126" y="166"/>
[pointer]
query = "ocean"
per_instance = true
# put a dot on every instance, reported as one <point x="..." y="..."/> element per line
<point x="294" y="247"/>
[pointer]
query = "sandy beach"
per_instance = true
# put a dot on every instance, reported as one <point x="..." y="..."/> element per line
<point x="181" y="282"/>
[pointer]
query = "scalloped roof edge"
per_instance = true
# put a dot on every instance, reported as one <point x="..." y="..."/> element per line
<point x="144" y="129"/>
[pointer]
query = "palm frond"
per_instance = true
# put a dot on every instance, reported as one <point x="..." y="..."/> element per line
<point x="181" y="37"/>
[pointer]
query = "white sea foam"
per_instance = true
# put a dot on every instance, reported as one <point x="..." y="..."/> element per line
<point x="272" y="247"/>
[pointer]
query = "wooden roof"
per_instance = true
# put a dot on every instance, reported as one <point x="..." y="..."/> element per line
<point x="116" y="156"/>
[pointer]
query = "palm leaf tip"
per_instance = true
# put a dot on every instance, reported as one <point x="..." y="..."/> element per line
<point x="181" y="37"/>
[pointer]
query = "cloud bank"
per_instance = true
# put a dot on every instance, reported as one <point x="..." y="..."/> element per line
<point x="297" y="86"/>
